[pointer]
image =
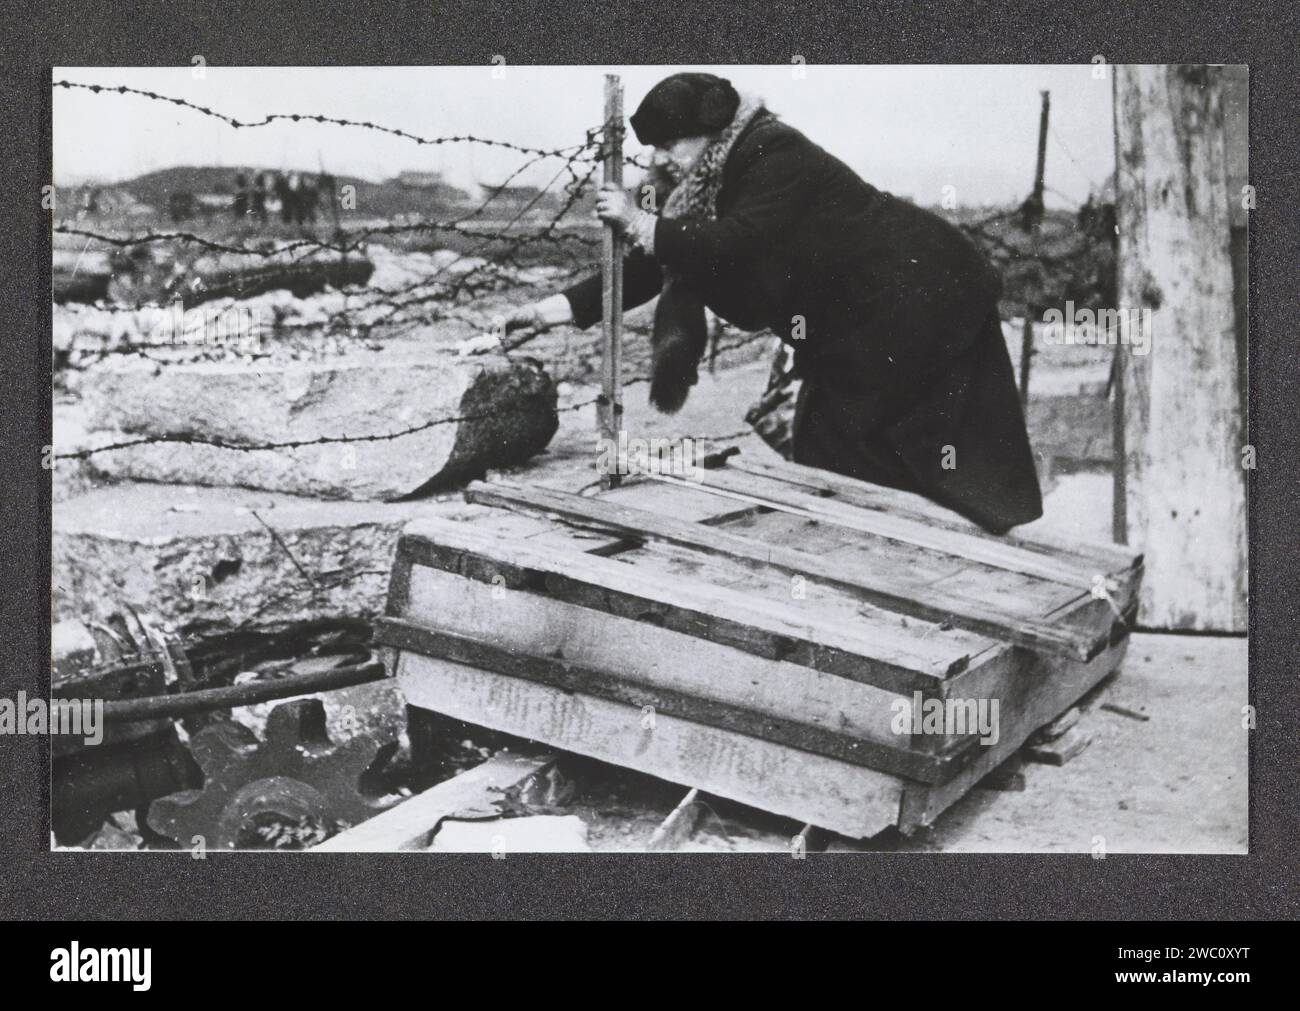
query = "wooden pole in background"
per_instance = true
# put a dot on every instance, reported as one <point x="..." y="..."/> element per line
<point x="610" y="410"/>
<point x="1042" y="158"/>
<point x="1185" y="489"/>
<point x="1034" y="223"/>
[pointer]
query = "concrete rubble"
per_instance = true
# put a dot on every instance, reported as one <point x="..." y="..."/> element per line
<point x="216" y="558"/>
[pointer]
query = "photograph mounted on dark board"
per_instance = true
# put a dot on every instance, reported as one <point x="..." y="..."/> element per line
<point x="642" y="459"/>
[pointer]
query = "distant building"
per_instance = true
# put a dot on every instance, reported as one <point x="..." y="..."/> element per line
<point x="96" y="200"/>
<point x="432" y="184"/>
<point x="516" y="198"/>
<point x="420" y="180"/>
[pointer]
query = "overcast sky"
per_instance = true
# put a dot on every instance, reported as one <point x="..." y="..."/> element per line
<point x="911" y="130"/>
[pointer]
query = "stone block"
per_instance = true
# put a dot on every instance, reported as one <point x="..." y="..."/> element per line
<point x="414" y="422"/>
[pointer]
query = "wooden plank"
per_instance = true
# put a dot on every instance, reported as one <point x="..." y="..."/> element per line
<point x="966" y="610"/>
<point x="609" y="410"/>
<point x="1059" y="726"/>
<point x="643" y="653"/>
<point x="399" y="583"/>
<point x="999" y="554"/>
<point x="914" y="572"/>
<point x="1019" y="596"/>
<point x="911" y="568"/>
<point x="1040" y="691"/>
<point x="766" y="628"/>
<point x="411" y="824"/>
<point x="1061" y="750"/>
<point x="695" y="504"/>
<point x="1087" y="554"/>
<point x="678" y="826"/>
<point x="570" y="677"/>
<point x="874" y="631"/>
<point x="907" y="569"/>
<point x="850" y="799"/>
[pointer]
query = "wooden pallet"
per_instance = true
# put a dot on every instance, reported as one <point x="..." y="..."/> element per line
<point x="749" y="635"/>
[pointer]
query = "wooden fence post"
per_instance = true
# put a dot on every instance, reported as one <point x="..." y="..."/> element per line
<point x="610" y="409"/>
<point x="1184" y="486"/>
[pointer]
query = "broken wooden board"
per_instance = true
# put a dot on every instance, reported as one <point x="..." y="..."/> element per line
<point x="772" y="631"/>
<point x="678" y="826"/>
<point x="411" y="824"/>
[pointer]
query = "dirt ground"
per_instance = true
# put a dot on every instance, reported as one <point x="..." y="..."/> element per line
<point x="1176" y="783"/>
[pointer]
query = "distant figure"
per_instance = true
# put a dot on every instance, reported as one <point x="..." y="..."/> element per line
<point x="307" y="198"/>
<point x="326" y="191"/>
<point x="284" y="189"/>
<point x="297" y="199"/>
<point x="242" y="194"/>
<point x="263" y="186"/>
<point x="181" y="206"/>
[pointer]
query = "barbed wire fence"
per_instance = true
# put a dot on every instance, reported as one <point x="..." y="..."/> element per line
<point x="433" y="292"/>
<point x="491" y="265"/>
<point x="501" y="260"/>
<point x="495" y="264"/>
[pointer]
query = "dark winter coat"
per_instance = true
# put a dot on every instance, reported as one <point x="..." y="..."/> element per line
<point x="891" y="310"/>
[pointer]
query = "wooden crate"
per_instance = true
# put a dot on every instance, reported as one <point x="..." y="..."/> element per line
<point x="753" y="634"/>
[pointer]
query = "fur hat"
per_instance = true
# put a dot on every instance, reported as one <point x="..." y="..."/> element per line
<point x="684" y="105"/>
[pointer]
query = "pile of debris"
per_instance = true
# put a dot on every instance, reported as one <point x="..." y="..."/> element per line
<point x="248" y="491"/>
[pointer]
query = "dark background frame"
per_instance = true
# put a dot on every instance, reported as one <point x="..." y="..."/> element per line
<point x="35" y="883"/>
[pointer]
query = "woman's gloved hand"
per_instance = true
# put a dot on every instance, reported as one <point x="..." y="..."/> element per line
<point x="613" y="206"/>
<point x="542" y="315"/>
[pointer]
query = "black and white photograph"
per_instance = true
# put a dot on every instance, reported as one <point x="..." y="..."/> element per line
<point x="707" y="459"/>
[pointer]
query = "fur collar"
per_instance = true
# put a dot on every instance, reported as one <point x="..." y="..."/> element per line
<point x="696" y="195"/>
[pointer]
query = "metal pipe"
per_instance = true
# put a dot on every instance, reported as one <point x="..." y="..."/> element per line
<point x="152" y="707"/>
